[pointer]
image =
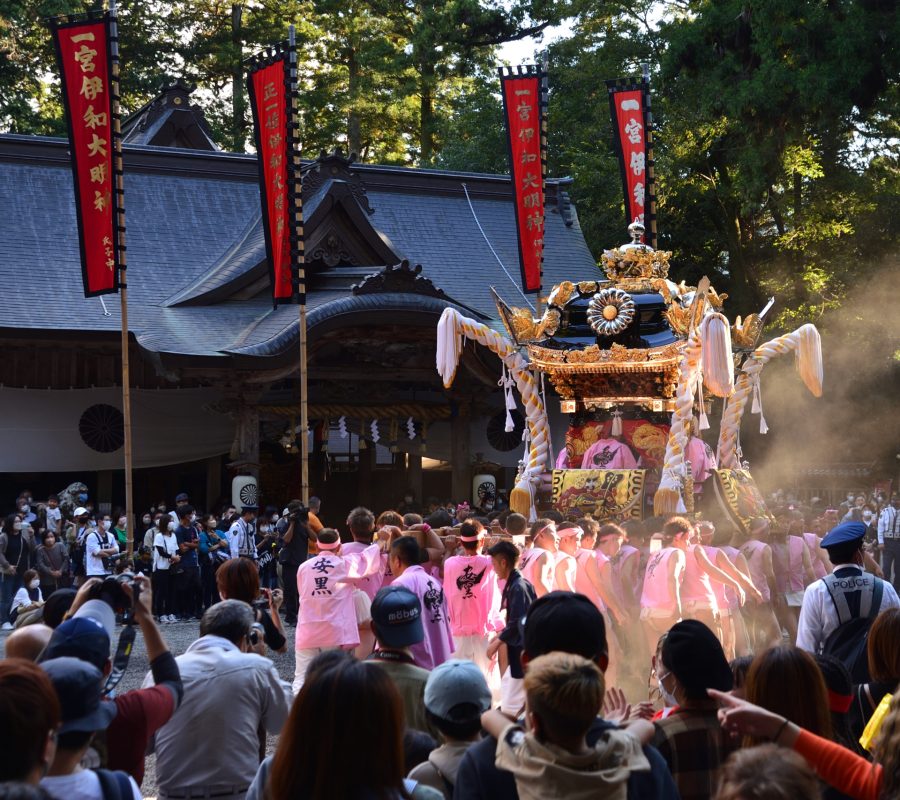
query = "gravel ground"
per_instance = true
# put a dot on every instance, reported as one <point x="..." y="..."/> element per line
<point x="179" y="636"/>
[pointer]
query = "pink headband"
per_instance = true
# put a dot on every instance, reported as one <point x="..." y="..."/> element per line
<point x="329" y="545"/>
<point x="477" y="537"/>
<point x="545" y="528"/>
<point x="570" y="532"/>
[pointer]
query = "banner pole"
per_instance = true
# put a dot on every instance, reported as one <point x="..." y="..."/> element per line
<point x="301" y="275"/>
<point x="123" y="287"/>
<point x="651" y="168"/>
<point x="545" y="105"/>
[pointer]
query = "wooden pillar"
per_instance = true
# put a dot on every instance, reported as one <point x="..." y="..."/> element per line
<point x="414" y="476"/>
<point x="461" y="483"/>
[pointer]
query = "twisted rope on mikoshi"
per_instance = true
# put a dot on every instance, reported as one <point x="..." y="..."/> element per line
<point x="453" y="329"/>
<point x="806" y="344"/>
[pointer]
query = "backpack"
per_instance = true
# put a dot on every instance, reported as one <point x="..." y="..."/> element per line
<point x="115" y="785"/>
<point x="848" y="643"/>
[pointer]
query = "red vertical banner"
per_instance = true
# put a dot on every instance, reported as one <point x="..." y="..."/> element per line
<point x="83" y="54"/>
<point x="524" y="110"/>
<point x="629" y="105"/>
<point x="270" y="88"/>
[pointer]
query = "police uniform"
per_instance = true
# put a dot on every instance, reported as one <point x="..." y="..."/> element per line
<point x="819" y="613"/>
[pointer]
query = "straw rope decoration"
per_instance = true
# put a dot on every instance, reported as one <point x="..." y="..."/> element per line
<point x="453" y="329"/>
<point x="806" y="345"/>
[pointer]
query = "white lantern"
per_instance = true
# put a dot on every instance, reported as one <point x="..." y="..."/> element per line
<point x="244" y="491"/>
<point x="483" y="485"/>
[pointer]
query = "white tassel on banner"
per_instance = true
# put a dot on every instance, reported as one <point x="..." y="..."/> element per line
<point x="506" y="383"/>
<point x="757" y="407"/>
<point x="616" y="428"/>
<point x="342" y="427"/>
<point x="374" y="429"/>
<point x="703" y="423"/>
<point x="411" y="428"/>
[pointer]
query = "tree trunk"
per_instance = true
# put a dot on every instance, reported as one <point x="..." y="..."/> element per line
<point x="237" y="81"/>
<point x="426" y="114"/>
<point x="354" y="128"/>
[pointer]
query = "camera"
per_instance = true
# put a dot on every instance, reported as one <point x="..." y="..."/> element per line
<point x="110" y="591"/>
<point x="111" y="562"/>
<point x="300" y="515"/>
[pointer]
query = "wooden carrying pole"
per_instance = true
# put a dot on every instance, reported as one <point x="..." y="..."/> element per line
<point x="123" y="288"/>
<point x="301" y="273"/>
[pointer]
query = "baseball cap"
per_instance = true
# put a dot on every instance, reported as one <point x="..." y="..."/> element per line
<point x="566" y="622"/>
<point x="453" y="683"/>
<point x="83" y="638"/>
<point x="100" y="612"/>
<point x="77" y="685"/>
<point x="397" y="617"/>
<point x="181" y="496"/>
<point x="79" y="512"/>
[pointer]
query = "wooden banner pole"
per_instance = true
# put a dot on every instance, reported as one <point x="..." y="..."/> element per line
<point x="301" y="275"/>
<point x="123" y="283"/>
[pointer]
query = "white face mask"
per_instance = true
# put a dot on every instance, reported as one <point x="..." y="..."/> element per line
<point x="274" y="517"/>
<point x="193" y="517"/>
<point x="105" y="524"/>
<point x="26" y="508"/>
<point x="17" y="526"/>
<point x="263" y="528"/>
<point x="668" y="698"/>
<point x="34" y="584"/>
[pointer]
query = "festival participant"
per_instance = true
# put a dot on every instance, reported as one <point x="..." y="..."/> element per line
<point x="345" y="702"/>
<point x="763" y="626"/>
<point x="456" y="696"/>
<point x="661" y="593"/>
<point x="84" y="713"/>
<point x="698" y="601"/>
<point x="742" y="644"/>
<point x="471" y="588"/>
<point x="848" y="593"/>
<point x="328" y="609"/>
<point x="406" y="560"/>
<point x="690" y="739"/>
<point x="610" y="538"/>
<point x="231" y="690"/>
<point x="608" y="453"/>
<point x="700" y="456"/>
<point x="727" y="600"/>
<point x="515" y="524"/>
<point x="793" y="571"/>
<point x="553" y="758"/>
<point x="361" y="524"/>
<point x="538" y="564"/>
<point x="566" y="566"/>
<point x="397" y="623"/>
<point x="627" y="565"/>
<point x="295" y="537"/>
<point x="517" y="596"/>
<point x="566" y="623"/>
<point x="817" y="556"/>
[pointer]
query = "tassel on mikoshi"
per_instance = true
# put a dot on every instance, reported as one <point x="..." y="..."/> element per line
<point x="809" y="358"/>
<point x="616" y="427"/>
<point x="703" y="422"/>
<point x="716" y="356"/>
<point x="520" y="500"/>
<point x="665" y="501"/>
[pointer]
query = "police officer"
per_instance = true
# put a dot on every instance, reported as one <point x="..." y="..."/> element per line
<point x="845" y="594"/>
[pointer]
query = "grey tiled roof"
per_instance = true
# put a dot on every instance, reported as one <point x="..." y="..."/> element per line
<point x="193" y="225"/>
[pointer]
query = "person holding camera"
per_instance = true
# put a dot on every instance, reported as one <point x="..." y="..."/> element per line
<point x="87" y="634"/>
<point x="100" y="547"/>
<point x="238" y="579"/>
<point x="231" y="692"/>
<point x="294" y="536"/>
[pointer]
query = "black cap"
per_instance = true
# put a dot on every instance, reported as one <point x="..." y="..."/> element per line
<point x="397" y="617"/>
<point x="565" y="622"/>
<point x="77" y="685"/>
<point x="696" y="658"/>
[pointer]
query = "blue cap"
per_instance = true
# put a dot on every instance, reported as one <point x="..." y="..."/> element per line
<point x="844" y="533"/>
<point x="80" y="637"/>
<point x="397" y="617"/>
<point x="78" y="687"/>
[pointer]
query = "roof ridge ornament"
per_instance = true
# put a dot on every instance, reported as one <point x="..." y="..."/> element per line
<point x="401" y="277"/>
<point x="335" y="166"/>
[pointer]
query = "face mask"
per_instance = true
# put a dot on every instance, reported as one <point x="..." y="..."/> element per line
<point x="34" y="584"/>
<point x="105" y="524"/>
<point x="82" y="498"/>
<point x="147" y="520"/>
<point x="263" y="528"/>
<point x="193" y="517"/>
<point x="17" y="526"/>
<point x="26" y="508"/>
<point x="668" y="698"/>
<point x="274" y="517"/>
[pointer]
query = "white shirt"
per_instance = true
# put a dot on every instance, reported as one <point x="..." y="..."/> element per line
<point x="167" y="542"/>
<point x="98" y="540"/>
<point x="818" y="616"/>
<point x="82" y="785"/>
<point x="242" y="536"/>
<point x="888" y="524"/>
<point x="54" y="517"/>
<point x="22" y="598"/>
<point x="226" y="692"/>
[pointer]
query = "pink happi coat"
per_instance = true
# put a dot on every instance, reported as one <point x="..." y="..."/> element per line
<point x="702" y="461"/>
<point x="325" y="583"/>
<point x="608" y="454"/>
<point x="470" y="585"/>
<point x="437" y="646"/>
<point x="373" y="583"/>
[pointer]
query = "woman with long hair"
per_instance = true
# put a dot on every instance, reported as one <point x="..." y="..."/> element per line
<point x="238" y="579"/>
<point x="343" y="702"/>
<point x="883" y="649"/>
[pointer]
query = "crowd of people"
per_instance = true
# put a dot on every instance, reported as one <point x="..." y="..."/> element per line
<point x="461" y="653"/>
